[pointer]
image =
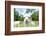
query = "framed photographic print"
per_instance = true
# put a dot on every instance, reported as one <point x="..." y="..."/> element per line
<point x="24" y="17"/>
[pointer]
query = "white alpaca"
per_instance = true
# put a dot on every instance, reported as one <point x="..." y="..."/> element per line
<point x="17" y="22"/>
<point x="27" y="18"/>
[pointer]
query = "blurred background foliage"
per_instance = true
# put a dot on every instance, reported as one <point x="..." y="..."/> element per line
<point x="17" y="17"/>
<point x="35" y="15"/>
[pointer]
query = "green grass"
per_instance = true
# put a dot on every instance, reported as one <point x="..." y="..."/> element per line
<point x="27" y="25"/>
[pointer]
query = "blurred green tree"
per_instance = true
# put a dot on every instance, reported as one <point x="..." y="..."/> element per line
<point x="17" y="17"/>
<point x="35" y="16"/>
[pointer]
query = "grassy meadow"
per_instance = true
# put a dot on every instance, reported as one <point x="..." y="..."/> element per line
<point x="27" y="25"/>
